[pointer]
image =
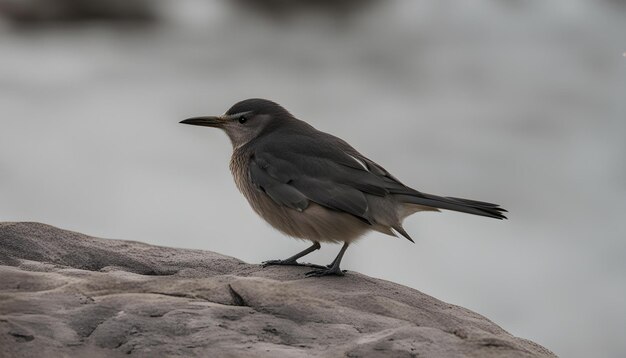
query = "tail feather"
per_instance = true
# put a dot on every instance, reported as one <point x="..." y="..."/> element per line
<point x="402" y="232"/>
<point x="456" y="204"/>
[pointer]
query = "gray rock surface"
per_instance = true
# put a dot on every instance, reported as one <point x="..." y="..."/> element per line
<point x="67" y="294"/>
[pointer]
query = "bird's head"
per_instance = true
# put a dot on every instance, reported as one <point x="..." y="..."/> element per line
<point x="246" y="120"/>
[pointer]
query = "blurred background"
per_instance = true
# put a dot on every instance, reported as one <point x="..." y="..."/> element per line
<point x="521" y="103"/>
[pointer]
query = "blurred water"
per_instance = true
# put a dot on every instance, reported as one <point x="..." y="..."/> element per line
<point x="520" y="103"/>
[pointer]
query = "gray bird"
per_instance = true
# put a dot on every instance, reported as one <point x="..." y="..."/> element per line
<point x="314" y="186"/>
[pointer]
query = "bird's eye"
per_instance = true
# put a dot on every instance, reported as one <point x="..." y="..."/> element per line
<point x="242" y="119"/>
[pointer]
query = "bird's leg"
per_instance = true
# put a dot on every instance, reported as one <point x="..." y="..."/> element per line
<point x="334" y="266"/>
<point x="332" y="263"/>
<point x="292" y="261"/>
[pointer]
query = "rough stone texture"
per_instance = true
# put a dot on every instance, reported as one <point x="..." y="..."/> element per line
<point x="68" y="294"/>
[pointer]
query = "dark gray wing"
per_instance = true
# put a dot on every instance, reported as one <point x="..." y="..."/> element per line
<point x="288" y="185"/>
<point x="281" y="192"/>
<point x="300" y="168"/>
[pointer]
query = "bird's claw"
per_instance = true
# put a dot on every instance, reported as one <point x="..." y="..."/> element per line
<point x="325" y="272"/>
<point x="290" y="263"/>
<point x="274" y="262"/>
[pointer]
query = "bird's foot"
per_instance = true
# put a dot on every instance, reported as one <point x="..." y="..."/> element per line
<point x="326" y="271"/>
<point x="291" y="263"/>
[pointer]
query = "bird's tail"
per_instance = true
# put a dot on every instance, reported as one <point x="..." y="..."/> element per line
<point x="456" y="204"/>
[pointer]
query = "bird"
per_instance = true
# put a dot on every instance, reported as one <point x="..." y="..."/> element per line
<point x="314" y="186"/>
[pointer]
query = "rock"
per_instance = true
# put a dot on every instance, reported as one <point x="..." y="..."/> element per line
<point x="68" y="294"/>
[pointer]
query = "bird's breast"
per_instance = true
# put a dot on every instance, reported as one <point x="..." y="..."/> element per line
<point x="239" y="168"/>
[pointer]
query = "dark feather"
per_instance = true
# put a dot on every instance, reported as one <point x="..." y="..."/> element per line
<point x="453" y="204"/>
<point x="403" y="232"/>
<point x="281" y="193"/>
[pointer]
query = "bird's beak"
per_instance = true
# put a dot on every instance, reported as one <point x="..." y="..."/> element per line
<point x="207" y="121"/>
